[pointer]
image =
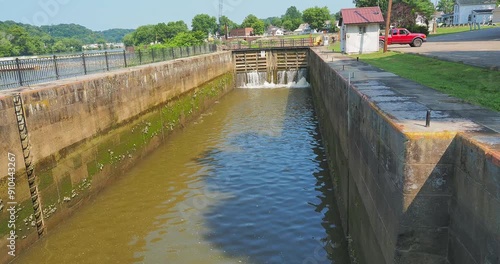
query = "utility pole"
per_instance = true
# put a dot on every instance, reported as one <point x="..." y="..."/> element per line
<point x="387" y="25"/>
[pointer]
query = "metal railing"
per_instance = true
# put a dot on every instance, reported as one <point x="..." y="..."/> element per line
<point x="24" y="72"/>
<point x="270" y="43"/>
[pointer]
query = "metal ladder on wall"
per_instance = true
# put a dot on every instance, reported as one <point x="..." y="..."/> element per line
<point x="28" y="161"/>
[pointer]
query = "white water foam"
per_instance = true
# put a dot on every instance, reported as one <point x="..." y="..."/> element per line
<point x="286" y="79"/>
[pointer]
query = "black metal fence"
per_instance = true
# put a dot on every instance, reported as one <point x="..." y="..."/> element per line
<point x="23" y="72"/>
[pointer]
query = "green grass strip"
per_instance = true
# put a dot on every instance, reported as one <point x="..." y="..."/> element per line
<point x="475" y="85"/>
<point x="452" y="30"/>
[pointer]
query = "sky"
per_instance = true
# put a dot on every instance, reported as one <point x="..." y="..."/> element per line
<point x="107" y="14"/>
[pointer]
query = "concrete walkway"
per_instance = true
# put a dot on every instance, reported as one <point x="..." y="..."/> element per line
<point x="479" y="48"/>
<point x="407" y="102"/>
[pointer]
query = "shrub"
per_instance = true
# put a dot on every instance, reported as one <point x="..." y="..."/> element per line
<point x="419" y="29"/>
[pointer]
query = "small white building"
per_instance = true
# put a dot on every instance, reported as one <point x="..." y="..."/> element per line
<point x="274" y="31"/>
<point x="360" y="29"/>
<point x="304" y="29"/>
<point x="472" y="11"/>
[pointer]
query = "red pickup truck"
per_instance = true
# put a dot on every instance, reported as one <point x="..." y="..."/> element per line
<point x="403" y="36"/>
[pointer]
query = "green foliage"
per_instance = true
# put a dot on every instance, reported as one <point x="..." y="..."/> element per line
<point x="75" y="31"/>
<point x="336" y="16"/>
<point x="185" y="39"/>
<point x="128" y="40"/>
<point x="445" y="6"/>
<point x="225" y="21"/>
<point x="288" y="25"/>
<point x="159" y="33"/>
<point x="17" y="39"/>
<point x="174" y="28"/>
<point x="145" y="35"/>
<point x="292" y="18"/>
<point x="423" y="7"/>
<point x="255" y="23"/>
<point x="292" y="13"/>
<point x="115" y="35"/>
<point x="67" y="44"/>
<point x="419" y="29"/>
<point x="383" y="4"/>
<point x="204" y="23"/>
<point x="316" y="16"/>
<point x="402" y="15"/>
<point x="272" y="21"/>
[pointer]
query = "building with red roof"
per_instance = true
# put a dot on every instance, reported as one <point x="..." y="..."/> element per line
<point x="359" y="29"/>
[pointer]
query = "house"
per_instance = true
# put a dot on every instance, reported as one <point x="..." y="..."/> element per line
<point x="496" y="15"/>
<point x="275" y="31"/>
<point x="360" y="29"/>
<point x="304" y="29"/>
<point x="473" y="11"/>
<point x="241" y="32"/>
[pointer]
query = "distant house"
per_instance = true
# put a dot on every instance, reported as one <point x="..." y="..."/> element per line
<point x="275" y="31"/>
<point x="360" y="29"/>
<point x="304" y="29"/>
<point x="473" y="11"/>
<point x="241" y="32"/>
<point x="496" y="15"/>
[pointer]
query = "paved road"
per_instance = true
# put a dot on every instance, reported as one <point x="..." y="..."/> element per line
<point x="479" y="48"/>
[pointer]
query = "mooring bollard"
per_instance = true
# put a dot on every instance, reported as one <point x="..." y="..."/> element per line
<point x="428" y="119"/>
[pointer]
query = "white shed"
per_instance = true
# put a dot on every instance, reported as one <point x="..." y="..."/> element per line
<point x="360" y="29"/>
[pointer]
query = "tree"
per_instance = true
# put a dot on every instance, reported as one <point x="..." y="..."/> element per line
<point x="144" y="35"/>
<point x="23" y="43"/>
<point x="255" y="23"/>
<point x="292" y="18"/>
<point x="5" y="45"/>
<point x="423" y="7"/>
<point x="336" y="16"/>
<point x="204" y="23"/>
<point x="273" y="21"/>
<point x="402" y="15"/>
<point x="161" y="31"/>
<point x="446" y="6"/>
<point x="292" y="13"/>
<point x="316" y="16"/>
<point x="128" y="40"/>
<point x="185" y="39"/>
<point x="174" y="28"/>
<point x="225" y="21"/>
<point x="383" y="4"/>
<point x="115" y="34"/>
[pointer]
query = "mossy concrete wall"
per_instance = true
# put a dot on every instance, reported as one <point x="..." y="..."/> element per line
<point x="87" y="130"/>
<point x="408" y="193"/>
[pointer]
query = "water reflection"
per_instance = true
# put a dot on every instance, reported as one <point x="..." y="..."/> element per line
<point x="248" y="183"/>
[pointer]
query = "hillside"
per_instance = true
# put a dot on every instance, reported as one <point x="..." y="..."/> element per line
<point x="18" y="39"/>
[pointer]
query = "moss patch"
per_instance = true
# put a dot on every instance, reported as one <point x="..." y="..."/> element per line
<point x="45" y="179"/>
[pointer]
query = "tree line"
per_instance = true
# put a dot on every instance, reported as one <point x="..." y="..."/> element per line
<point x="17" y="39"/>
<point x="177" y="33"/>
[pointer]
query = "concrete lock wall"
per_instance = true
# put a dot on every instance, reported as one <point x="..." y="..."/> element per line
<point x="407" y="194"/>
<point x="86" y="130"/>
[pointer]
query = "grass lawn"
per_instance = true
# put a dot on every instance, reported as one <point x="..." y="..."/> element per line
<point x="335" y="46"/>
<point x="300" y="36"/>
<point x="451" y="30"/>
<point x="472" y="84"/>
